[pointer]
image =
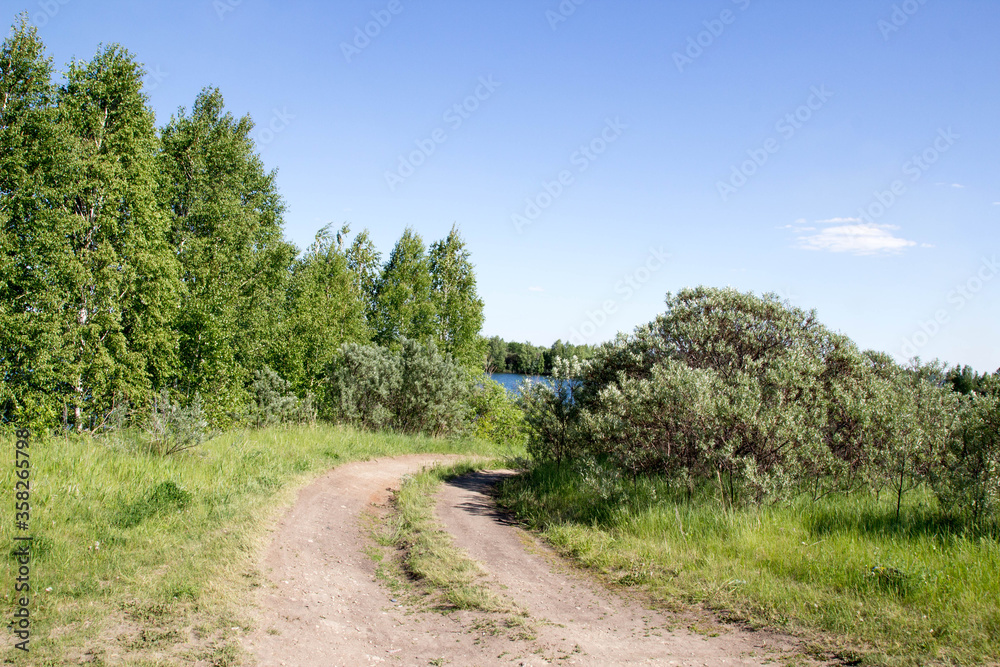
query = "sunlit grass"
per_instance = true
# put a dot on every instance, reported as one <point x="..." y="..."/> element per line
<point x="428" y="552"/>
<point x="126" y="541"/>
<point x="842" y="571"/>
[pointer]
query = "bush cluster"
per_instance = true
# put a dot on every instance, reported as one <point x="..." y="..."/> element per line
<point x="275" y="402"/>
<point x="760" y="400"/>
<point x="411" y="388"/>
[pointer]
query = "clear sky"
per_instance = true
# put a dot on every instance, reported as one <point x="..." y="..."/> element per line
<point x="597" y="155"/>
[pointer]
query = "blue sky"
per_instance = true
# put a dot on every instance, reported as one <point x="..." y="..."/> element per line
<point x="598" y="155"/>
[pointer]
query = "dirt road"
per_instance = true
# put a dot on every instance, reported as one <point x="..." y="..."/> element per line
<point x="326" y="607"/>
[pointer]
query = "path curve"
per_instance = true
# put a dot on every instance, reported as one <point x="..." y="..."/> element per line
<point x="323" y="605"/>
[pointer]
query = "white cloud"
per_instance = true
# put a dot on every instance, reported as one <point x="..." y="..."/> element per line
<point x="858" y="239"/>
<point x="536" y="289"/>
<point x="835" y="220"/>
<point x="951" y="185"/>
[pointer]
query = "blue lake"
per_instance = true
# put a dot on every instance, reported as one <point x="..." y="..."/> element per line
<point x="511" y="380"/>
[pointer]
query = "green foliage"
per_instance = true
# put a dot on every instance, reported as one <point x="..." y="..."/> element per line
<point x="173" y="428"/>
<point x="225" y="228"/>
<point x="29" y="144"/>
<point x="404" y="308"/>
<point x="273" y="402"/>
<point x="496" y="416"/>
<point x="528" y="359"/>
<point x="433" y="392"/>
<point x="134" y="261"/>
<point x="365" y="261"/>
<point x="325" y="309"/>
<point x="965" y="380"/>
<point x="969" y="486"/>
<point x="662" y="423"/>
<point x="90" y="285"/>
<point x="458" y="310"/>
<point x="363" y="383"/>
<point x="723" y="385"/>
<point x="125" y="275"/>
<point x="413" y="389"/>
<point x="912" y="424"/>
<point x="762" y="403"/>
<point x="551" y="411"/>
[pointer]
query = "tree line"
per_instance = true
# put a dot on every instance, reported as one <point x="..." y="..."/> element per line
<point x="139" y="262"/>
<point x="527" y="359"/>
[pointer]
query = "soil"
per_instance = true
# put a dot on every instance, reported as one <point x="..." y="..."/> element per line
<point x="326" y="606"/>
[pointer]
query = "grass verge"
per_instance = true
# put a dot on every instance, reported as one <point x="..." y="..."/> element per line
<point x="842" y="571"/>
<point x="426" y="553"/>
<point x="141" y="559"/>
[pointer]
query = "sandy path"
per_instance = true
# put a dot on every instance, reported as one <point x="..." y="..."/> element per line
<point x="575" y="613"/>
<point x="324" y="606"/>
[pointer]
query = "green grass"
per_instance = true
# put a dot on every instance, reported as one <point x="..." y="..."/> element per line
<point x="843" y="572"/>
<point x="428" y="553"/>
<point x="142" y="559"/>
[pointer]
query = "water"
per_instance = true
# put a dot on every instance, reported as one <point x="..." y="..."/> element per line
<point x="511" y="380"/>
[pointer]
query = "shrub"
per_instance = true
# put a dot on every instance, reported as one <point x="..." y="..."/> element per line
<point x="723" y="385"/>
<point x="912" y="421"/>
<point x="751" y="395"/>
<point x="274" y="402"/>
<point x="551" y="412"/>
<point x="413" y="389"/>
<point x="664" y="423"/>
<point x="363" y="381"/>
<point x="433" y="396"/>
<point x="969" y="487"/>
<point x="173" y="428"/>
<point x="496" y="416"/>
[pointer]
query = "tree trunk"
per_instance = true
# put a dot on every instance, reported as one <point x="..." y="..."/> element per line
<point x="899" y="489"/>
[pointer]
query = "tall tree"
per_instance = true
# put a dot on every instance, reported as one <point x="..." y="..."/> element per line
<point x="403" y="294"/>
<point x="457" y="307"/>
<point x="365" y="263"/>
<point x="325" y="310"/>
<point x="121" y="274"/>
<point x="93" y="275"/>
<point x="30" y="149"/>
<point x="226" y="217"/>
